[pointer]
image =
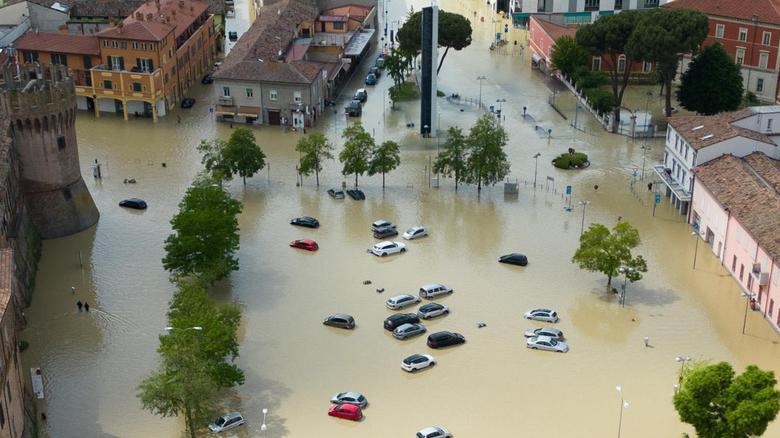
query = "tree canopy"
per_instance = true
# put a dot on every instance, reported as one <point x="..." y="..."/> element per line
<point x="242" y="155"/>
<point x="314" y="149"/>
<point x="712" y="84"/>
<point x="452" y="160"/>
<point x="384" y="159"/>
<point x="568" y="56"/>
<point x="212" y="152"/>
<point x="662" y="36"/>
<point x="719" y="404"/>
<point x="603" y="251"/>
<point x="454" y="33"/>
<point x="356" y="155"/>
<point x="486" y="163"/>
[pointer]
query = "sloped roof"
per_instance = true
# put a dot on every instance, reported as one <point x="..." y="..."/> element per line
<point x="556" y="31"/>
<point x="59" y="43"/>
<point x="703" y="131"/>
<point x="350" y="11"/>
<point x="766" y="11"/>
<point x="750" y="188"/>
<point x="154" y="20"/>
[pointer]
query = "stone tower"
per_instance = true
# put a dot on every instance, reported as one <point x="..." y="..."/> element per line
<point x="41" y="107"/>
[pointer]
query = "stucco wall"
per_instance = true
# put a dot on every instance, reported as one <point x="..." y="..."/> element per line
<point x="711" y="216"/>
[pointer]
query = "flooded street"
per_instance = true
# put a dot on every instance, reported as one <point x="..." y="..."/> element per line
<point x="92" y="362"/>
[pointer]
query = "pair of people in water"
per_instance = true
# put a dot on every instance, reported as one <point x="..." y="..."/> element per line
<point x="81" y="305"/>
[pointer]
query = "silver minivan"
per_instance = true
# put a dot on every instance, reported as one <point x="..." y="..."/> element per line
<point x="433" y="290"/>
<point x="227" y="422"/>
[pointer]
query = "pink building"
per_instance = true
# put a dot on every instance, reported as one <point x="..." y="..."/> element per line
<point x="736" y="206"/>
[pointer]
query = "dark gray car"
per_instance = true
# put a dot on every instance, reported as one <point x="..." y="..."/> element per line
<point x="340" y="320"/>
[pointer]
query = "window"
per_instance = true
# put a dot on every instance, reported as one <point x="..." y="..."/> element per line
<point x="596" y="64"/>
<point x="108" y="85"/>
<point x="769" y="125"/>
<point x="144" y="64"/>
<point x="113" y="44"/>
<point x="740" y="56"/>
<point x="742" y="34"/>
<point x="734" y="264"/>
<point x="31" y="57"/>
<point x="61" y="142"/>
<point x="647" y="67"/>
<point x="621" y="67"/>
<point x="87" y="62"/>
<point x="771" y="306"/>
<point x="760" y="86"/>
<point x="618" y="5"/>
<point x="59" y="59"/>
<point x="67" y="194"/>
<point x="763" y="59"/>
<point x="250" y="93"/>
<point x="592" y="5"/>
<point x="105" y="43"/>
<point x="719" y="30"/>
<point x="134" y="45"/>
<point x="116" y="63"/>
<point x="273" y="95"/>
<point x="741" y="272"/>
<point x="686" y="152"/>
<point x="143" y="46"/>
<point x="226" y="91"/>
<point x="338" y="25"/>
<point x="766" y="38"/>
<point x="123" y="44"/>
<point x="137" y="87"/>
<point x="297" y="97"/>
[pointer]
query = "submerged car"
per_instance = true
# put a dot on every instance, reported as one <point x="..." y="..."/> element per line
<point x="417" y="362"/>
<point x="356" y="194"/>
<point x="445" y="339"/>
<point x="433" y="290"/>
<point x="381" y="223"/>
<point x="207" y="79"/>
<point x="305" y="221"/>
<point x="434" y="432"/>
<point x="361" y="94"/>
<point x="307" y="244"/>
<point x="415" y="233"/>
<point x="375" y="71"/>
<point x="233" y="35"/>
<point x="371" y="79"/>
<point x="406" y="331"/>
<point x="400" y="301"/>
<point x="346" y="411"/>
<point x="135" y="203"/>
<point x="354" y="109"/>
<point x="384" y="233"/>
<point x="432" y="310"/>
<point x="514" y="259"/>
<point x="399" y="319"/>
<point x="550" y="332"/>
<point x="546" y="343"/>
<point x="227" y="422"/>
<point x="542" y="315"/>
<point x="336" y="194"/>
<point x="351" y="397"/>
<point x="387" y="247"/>
<point x="340" y="320"/>
<point x="187" y="102"/>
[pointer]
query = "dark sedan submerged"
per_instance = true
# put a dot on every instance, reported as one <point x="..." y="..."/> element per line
<point x="138" y="204"/>
<point x="514" y="259"/>
<point x="305" y="221"/>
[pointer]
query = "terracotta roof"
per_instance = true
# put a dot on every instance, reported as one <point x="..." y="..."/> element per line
<point x="703" y="131"/>
<point x="767" y="11"/>
<point x="350" y="11"/>
<point x="59" y="43"/>
<point x="154" y="20"/>
<point x="748" y="187"/>
<point x="556" y="31"/>
<point x="327" y="18"/>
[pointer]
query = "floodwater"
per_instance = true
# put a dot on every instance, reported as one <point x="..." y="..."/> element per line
<point x="92" y="362"/>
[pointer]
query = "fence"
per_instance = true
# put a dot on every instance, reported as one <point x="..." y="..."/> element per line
<point x="604" y="119"/>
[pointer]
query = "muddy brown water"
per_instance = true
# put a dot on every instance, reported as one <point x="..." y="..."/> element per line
<point x="490" y="386"/>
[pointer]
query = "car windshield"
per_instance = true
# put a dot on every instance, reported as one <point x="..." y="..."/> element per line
<point x="220" y="421"/>
<point x="553" y="342"/>
<point x="410" y="231"/>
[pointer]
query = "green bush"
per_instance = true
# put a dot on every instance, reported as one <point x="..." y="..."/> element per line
<point x="569" y="161"/>
<point x="592" y="79"/>
<point x="601" y="100"/>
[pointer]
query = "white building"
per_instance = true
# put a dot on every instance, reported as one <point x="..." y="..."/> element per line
<point x="695" y="140"/>
<point x="573" y="11"/>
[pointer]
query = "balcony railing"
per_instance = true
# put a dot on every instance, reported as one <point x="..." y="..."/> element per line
<point x="678" y="190"/>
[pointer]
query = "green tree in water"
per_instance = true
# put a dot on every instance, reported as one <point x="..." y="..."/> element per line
<point x="242" y="154"/>
<point x="452" y="161"/>
<point x="384" y="159"/>
<point x="314" y="149"/>
<point x="486" y="163"/>
<point x="606" y="252"/>
<point x="712" y="84"/>
<point x="568" y="56"/>
<point x="356" y="155"/>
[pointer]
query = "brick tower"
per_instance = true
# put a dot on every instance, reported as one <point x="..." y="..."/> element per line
<point x="41" y="107"/>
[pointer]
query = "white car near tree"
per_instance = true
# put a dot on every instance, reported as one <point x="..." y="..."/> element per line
<point x="388" y="247"/>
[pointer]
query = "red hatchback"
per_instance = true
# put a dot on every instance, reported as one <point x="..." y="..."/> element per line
<point x="308" y="245"/>
<point x="346" y="411"/>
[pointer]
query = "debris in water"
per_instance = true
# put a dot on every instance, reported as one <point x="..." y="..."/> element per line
<point x="380" y="290"/>
<point x="481" y="324"/>
<point x="367" y="282"/>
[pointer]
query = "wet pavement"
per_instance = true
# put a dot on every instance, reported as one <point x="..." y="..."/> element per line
<point x="92" y="362"/>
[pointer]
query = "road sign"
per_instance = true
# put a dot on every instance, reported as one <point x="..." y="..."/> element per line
<point x="568" y="190"/>
<point x="657" y="198"/>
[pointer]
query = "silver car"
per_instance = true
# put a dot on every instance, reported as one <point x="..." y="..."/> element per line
<point x="542" y="315"/>
<point x="351" y="397"/>
<point x="227" y="422"/>
<point x="551" y="332"/>
<point x="546" y="343"/>
<point x="432" y="310"/>
<point x="434" y="432"/>
<point x="433" y="290"/>
<point x="406" y="331"/>
<point x="401" y="301"/>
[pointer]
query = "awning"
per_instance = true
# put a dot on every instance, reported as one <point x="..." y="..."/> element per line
<point x="519" y="16"/>
<point x="535" y="58"/>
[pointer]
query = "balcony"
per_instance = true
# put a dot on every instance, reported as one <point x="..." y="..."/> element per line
<point x="225" y="101"/>
<point x="678" y="190"/>
<point x="762" y="278"/>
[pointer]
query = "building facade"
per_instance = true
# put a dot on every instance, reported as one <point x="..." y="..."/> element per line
<point x="18" y="18"/>
<point x="572" y="11"/>
<point x="750" y="33"/>
<point x="13" y="415"/>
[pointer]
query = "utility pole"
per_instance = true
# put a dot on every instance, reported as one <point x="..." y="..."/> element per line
<point x="480" y="79"/>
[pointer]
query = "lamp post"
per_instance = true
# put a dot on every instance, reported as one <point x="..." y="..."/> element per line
<point x="623" y="405"/>
<point x="748" y="297"/>
<point x="696" y="248"/>
<point x="644" y="148"/>
<point x="625" y="270"/>
<point x="536" y="166"/>
<point x="584" y="205"/>
<point x="480" y="79"/>
<point x="500" y="103"/>
<point x="264" y="427"/>
<point x="649" y="94"/>
<point x="682" y="360"/>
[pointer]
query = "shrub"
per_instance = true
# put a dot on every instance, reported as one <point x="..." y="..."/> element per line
<point x="601" y="100"/>
<point x="571" y="161"/>
<point x="592" y="79"/>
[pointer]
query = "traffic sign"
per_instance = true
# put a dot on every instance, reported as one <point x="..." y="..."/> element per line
<point x="657" y="198"/>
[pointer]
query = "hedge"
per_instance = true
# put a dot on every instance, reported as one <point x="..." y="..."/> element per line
<point x="568" y="161"/>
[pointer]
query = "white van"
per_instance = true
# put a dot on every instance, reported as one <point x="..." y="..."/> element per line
<point x="434" y="290"/>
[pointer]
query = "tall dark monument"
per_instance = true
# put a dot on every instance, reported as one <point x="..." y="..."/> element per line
<point x="430" y="57"/>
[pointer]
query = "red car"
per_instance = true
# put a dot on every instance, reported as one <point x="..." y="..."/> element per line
<point x="346" y="411"/>
<point x="308" y="245"/>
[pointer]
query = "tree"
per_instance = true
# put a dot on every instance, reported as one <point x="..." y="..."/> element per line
<point x="213" y="159"/>
<point x="606" y="252"/>
<point x="663" y="36"/>
<point x="396" y="67"/>
<point x="568" y="56"/>
<point x="712" y="84"/>
<point x="356" y="155"/>
<point x="453" y="158"/>
<point x="607" y="37"/>
<point x="454" y="32"/>
<point x="242" y="154"/>
<point x="719" y="405"/>
<point x="486" y="162"/>
<point x="205" y="234"/>
<point x="384" y="158"/>
<point x="314" y="149"/>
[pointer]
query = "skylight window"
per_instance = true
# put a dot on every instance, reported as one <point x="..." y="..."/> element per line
<point x="697" y="128"/>
<point x="707" y="137"/>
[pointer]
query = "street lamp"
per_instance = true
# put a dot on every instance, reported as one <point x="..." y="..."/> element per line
<point x="644" y="148"/>
<point x="264" y="427"/>
<point x="647" y="106"/>
<point x="625" y="270"/>
<point x="584" y="205"/>
<point x="748" y="298"/>
<point x="480" y="79"/>
<point x="623" y="405"/>
<point x="536" y="166"/>
<point x="696" y="248"/>
<point x="682" y="360"/>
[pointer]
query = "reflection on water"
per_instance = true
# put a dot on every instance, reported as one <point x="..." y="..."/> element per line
<point x="93" y="361"/>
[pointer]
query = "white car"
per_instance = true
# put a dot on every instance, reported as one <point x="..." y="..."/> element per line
<point x="227" y="422"/>
<point x="433" y="290"/>
<point x="415" y="232"/>
<point x="401" y="301"/>
<point x="417" y="362"/>
<point x="551" y="332"/>
<point x="546" y="315"/>
<point x="546" y="343"/>
<point x="388" y="247"/>
<point x="432" y="310"/>
<point x="434" y="432"/>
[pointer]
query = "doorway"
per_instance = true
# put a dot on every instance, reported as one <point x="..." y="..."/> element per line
<point x="274" y="118"/>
